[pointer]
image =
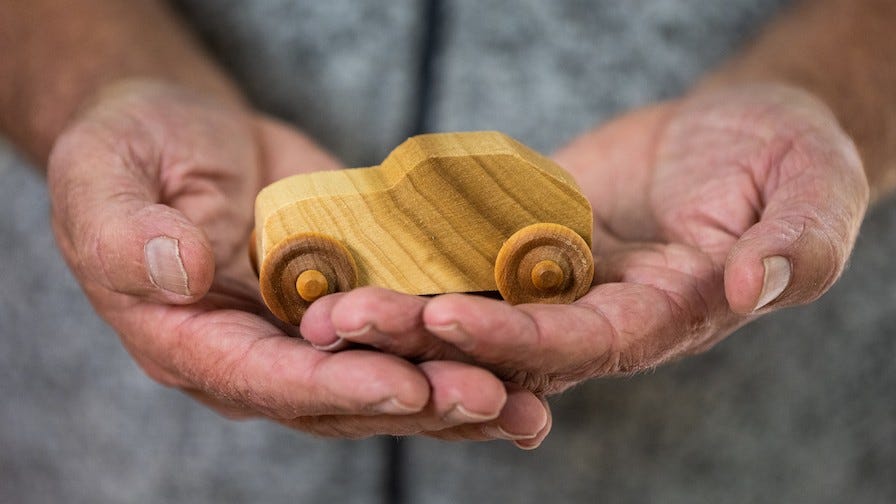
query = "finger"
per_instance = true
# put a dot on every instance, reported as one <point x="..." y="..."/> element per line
<point x="462" y="393"/>
<point x="113" y="230"/>
<point x="382" y="318"/>
<point x="808" y="227"/>
<point x="617" y="328"/>
<point x="317" y="325"/>
<point x="525" y="420"/>
<point x="524" y="417"/>
<point x="530" y="338"/>
<point x="535" y="442"/>
<point x="240" y="358"/>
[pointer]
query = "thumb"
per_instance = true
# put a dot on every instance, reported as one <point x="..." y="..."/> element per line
<point x="112" y="229"/>
<point x="807" y="229"/>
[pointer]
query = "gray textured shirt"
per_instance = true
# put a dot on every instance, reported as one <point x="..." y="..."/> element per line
<point x="795" y="408"/>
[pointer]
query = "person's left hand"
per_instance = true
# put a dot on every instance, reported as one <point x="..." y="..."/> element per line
<point x="708" y="212"/>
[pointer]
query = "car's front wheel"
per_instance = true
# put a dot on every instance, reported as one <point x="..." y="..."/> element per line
<point x="544" y="263"/>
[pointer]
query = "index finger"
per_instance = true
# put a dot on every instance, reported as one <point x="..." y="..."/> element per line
<point x="616" y="328"/>
<point x="243" y="359"/>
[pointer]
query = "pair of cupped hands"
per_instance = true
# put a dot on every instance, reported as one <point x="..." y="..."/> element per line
<point x="709" y="211"/>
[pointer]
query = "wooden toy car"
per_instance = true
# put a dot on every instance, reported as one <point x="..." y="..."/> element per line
<point x="450" y="212"/>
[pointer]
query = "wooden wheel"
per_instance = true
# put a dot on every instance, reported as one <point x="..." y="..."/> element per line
<point x="544" y="263"/>
<point x="301" y="269"/>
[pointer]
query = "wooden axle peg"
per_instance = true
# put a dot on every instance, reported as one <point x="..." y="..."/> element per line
<point x="312" y="285"/>
<point x="547" y="275"/>
<point x="303" y="268"/>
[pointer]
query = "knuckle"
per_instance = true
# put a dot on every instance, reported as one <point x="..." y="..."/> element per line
<point x="821" y="244"/>
<point x="624" y="363"/>
<point x="830" y="261"/>
<point x="828" y="244"/>
<point x="537" y="383"/>
<point x="95" y="253"/>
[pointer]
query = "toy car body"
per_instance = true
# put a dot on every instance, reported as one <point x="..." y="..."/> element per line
<point x="450" y="212"/>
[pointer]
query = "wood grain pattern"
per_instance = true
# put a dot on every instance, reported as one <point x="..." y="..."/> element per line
<point x="430" y="219"/>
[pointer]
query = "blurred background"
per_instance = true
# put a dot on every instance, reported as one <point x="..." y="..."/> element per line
<point x="798" y="407"/>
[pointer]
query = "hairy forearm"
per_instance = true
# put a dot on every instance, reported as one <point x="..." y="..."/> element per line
<point x="57" y="53"/>
<point x="842" y="51"/>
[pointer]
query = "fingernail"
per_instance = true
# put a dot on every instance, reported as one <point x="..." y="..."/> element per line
<point x="528" y="444"/>
<point x="496" y="431"/>
<point x="453" y="334"/>
<point x="166" y="269"/>
<point x="339" y="344"/>
<point x="777" y="276"/>
<point x="368" y="335"/>
<point x="356" y="333"/>
<point x="393" y="406"/>
<point x="461" y="415"/>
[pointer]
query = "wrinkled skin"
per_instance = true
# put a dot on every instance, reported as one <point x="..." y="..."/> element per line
<point x="146" y="160"/>
<point x="689" y="199"/>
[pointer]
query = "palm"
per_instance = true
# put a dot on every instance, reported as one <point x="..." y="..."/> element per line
<point x="673" y="232"/>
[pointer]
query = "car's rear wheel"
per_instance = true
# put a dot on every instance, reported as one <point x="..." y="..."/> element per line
<point x="302" y="269"/>
<point x="544" y="263"/>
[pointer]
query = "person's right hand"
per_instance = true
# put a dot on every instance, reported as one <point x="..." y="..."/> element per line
<point x="152" y="189"/>
<point x="710" y="211"/>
